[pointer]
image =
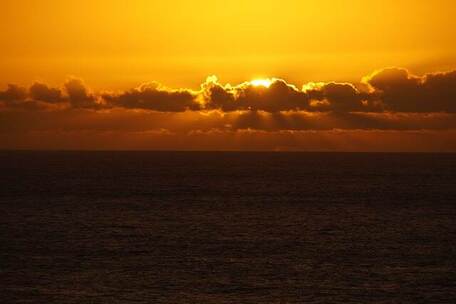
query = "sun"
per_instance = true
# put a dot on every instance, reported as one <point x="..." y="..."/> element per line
<point x="261" y="83"/>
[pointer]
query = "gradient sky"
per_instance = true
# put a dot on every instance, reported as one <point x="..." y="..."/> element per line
<point x="116" y="47"/>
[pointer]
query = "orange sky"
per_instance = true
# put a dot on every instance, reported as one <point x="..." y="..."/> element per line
<point x="116" y="46"/>
<point x="180" y="43"/>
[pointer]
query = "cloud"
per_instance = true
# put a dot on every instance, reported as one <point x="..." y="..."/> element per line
<point x="299" y="121"/>
<point x="392" y="90"/>
<point x="339" y="97"/>
<point x="79" y="95"/>
<point x="387" y="90"/>
<point x="154" y="97"/>
<point x="118" y="128"/>
<point x="118" y="119"/>
<point x="278" y="96"/>
<point x="391" y="110"/>
<point x="42" y="97"/>
<point x="157" y="139"/>
<point x="399" y="91"/>
<point x="16" y="97"/>
<point x="13" y="94"/>
<point x="41" y="92"/>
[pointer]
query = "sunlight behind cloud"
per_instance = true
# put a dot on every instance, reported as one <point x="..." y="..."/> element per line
<point x="261" y="83"/>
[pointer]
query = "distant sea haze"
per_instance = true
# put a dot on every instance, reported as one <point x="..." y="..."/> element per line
<point x="221" y="227"/>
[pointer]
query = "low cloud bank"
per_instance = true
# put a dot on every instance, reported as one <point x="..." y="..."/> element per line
<point x="388" y="90"/>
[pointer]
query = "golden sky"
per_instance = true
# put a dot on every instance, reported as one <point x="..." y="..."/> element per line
<point x="148" y="61"/>
<point x="179" y="43"/>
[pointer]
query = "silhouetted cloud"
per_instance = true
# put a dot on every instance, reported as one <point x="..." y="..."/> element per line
<point x="399" y="91"/>
<point x="41" y="92"/>
<point x="391" y="110"/>
<point x="13" y="93"/>
<point x="278" y="96"/>
<point x="299" y="121"/>
<point x="16" y="97"/>
<point x="118" y="119"/>
<point x="42" y="97"/>
<point x="339" y="97"/>
<point x="154" y="97"/>
<point x="388" y="90"/>
<point x="79" y="95"/>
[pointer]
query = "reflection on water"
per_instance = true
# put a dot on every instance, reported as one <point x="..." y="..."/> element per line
<point x="142" y="227"/>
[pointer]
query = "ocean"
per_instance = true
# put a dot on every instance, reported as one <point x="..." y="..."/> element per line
<point x="227" y="227"/>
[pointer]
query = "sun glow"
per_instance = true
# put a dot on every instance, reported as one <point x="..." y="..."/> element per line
<point x="261" y="83"/>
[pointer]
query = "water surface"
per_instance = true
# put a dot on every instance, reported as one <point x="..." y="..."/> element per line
<point x="207" y="227"/>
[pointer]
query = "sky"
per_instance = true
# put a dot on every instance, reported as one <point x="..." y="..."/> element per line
<point x="228" y="75"/>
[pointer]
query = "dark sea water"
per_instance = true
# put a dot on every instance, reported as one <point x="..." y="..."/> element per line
<point x="158" y="227"/>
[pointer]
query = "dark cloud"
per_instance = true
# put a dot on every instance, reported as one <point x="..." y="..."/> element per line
<point x="217" y="96"/>
<point x="154" y="97"/>
<point x="399" y="91"/>
<point x="388" y="90"/>
<point x="13" y="94"/>
<point x="41" y="92"/>
<point x="41" y="97"/>
<point x="278" y="96"/>
<point x="299" y="121"/>
<point x="79" y="95"/>
<point x="116" y="120"/>
<point x="16" y="97"/>
<point x="339" y="97"/>
<point x="389" y="110"/>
